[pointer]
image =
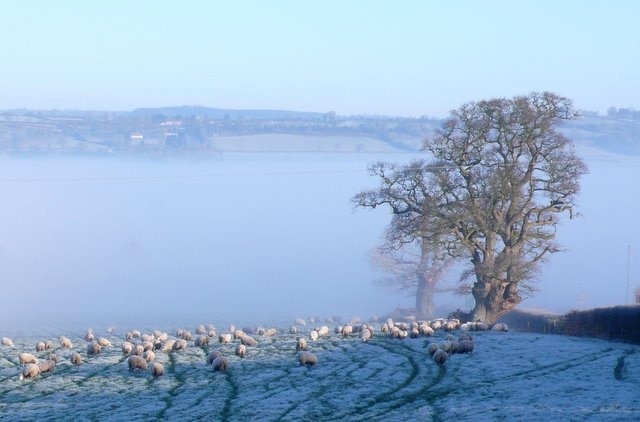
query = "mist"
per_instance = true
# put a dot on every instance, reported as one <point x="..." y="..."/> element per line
<point x="251" y="238"/>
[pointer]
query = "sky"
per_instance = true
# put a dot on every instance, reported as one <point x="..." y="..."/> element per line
<point x="411" y="58"/>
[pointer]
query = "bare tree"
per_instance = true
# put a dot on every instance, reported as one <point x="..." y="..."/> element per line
<point x="499" y="179"/>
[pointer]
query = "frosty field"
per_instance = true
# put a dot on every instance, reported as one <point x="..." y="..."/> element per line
<point x="509" y="376"/>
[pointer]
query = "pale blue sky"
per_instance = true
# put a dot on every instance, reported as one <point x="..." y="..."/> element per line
<point x="407" y="58"/>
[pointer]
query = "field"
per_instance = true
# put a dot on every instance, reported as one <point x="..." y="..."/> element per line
<point x="509" y="376"/>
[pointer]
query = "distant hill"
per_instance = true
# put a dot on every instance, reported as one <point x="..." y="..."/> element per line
<point x="222" y="113"/>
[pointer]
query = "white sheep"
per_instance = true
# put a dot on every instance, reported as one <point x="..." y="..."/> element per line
<point x="323" y="331"/>
<point x="157" y="369"/>
<point x="75" y="359"/>
<point x="200" y="329"/>
<point x="201" y="341"/>
<point x="137" y="362"/>
<point x="180" y="344"/>
<point x="147" y="345"/>
<point x="148" y="355"/>
<point x="53" y="357"/>
<point x="313" y="335"/>
<point x="241" y="350"/>
<point x="137" y="350"/>
<point x="167" y="346"/>
<point x="40" y="346"/>
<point x="213" y="355"/>
<point x="248" y="341"/>
<point x="89" y="335"/>
<point x="238" y="334"/>
<point x="31" y="370"/>
<point x="346" y="330"/>
<point x="464" y="346"/>
<point x="46" y="366"/>
<point x="425" y="329"/>
<point x="94" y="349"/>
<point x="6" y="341"/>
<point x="270" y="332"/>
<point x="366" y="334"/>
<point x="127" y="348"/>
<point x="224" y="338"/>
<point x="220" y="364"/>
<point x="26" y="358"/>
<point x="500" y="326"/>
<point x="451" y="325"/>
<point x="307" y="358"/>
<point x="65" y="343"/>
<point x="103" y="342"/>
<point x="300" y="321"/>
<point x="301" y="344"/>
<point x="293" y="329"/>
<point x="440" y="357"/>
<point x="133" y="334"/>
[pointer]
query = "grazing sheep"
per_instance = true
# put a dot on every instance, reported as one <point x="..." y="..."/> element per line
<point x="147" y="345"/>
<point x="133" y="334"/>
<point x="31" y="370"/>
<point x="127" y="348"/>
<point x="307" y="358"/>
<point x="425" y="329"/>
<point x="211" y="333"/>
<point x="464" y="346"/>
<point x="241" y="350"/>
<point x="6" y="341"/>
<point x="323" y="331"/>
<point x="213" y="355"/>
<point x="65" y="343"/>
<point x="224" y="338"/>
<point x="200" y="329"/>
<point x="436" y="324"/>
<point x="313" y="335"/>
<point x="40" y="346"/>
<point x="53" y="357"/>
<point x="75" y="359"/>
<point x="500" y="326"/>
<point x="481" y="326"/>
<point x="26" y="358"/>
<point x="300" y="321"/>
<point x="186" y="335"/>
<point x="137" y="362"/>
<point x="272" y="332"/>
<point x="89" y="335"/>
<point x="451" y="325"/>
<point x="147" y="337"/>
<point x="148" y="355"/>
<point x="346" y="330"/>
<point x="201" y="341"/>
<point x="249" y="341"/>
<point x="238" y="334"/>
<point x="137" y="350"/>
<point x="293" y="329"/>
<point x="432" y="348"/>
<point x="465" y="336"/>
<point x="468" y="326"/>
<point x="157" y="369"/>
<point x="366" y="334"/>
<point x="168" y="345"/>
<point x="103" y="342"/>
<point x="46" y="366"/>
<point x="440" y="357"/>
<point x="414" y="333"/>
<point x="447" y="346"/>
<point x="384" y="327"/>
<point x="180" y="344"/>
<point x="260" y="331"/>
<point x="220" y="364"/>
<point x="301" y="344"/>
<point x="94" y="349"/>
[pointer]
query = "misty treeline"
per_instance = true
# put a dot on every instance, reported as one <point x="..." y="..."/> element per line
<point x="489" y="195"/>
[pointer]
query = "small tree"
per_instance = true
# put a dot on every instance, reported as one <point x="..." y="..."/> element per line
<point x="499" y="177"/>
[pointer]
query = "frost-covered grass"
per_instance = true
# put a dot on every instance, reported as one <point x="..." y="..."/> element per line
<point x="509" y="376"/>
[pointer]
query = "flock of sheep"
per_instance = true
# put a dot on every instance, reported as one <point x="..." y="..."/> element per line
<point x="139" y="349"/>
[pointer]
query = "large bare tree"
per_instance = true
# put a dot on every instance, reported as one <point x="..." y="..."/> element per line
<point x="499" y="177"/>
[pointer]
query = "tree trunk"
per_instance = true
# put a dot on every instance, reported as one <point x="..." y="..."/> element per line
<point x="425" y="306"/>
<point x="493" y="298"/>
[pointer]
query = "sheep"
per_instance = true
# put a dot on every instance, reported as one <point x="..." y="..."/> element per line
<point x="224" y="338"/>
<point x="323" y="331"/>
<point x="213" y="355"/>
<point x="300" y="321"/>
<point x="260" y="331"/>
<point x="94" y="349"/>
<point x="366" y="334"/>
<point x="148" y="355"/>
<point x="6" y="341"/>
<point x="346" y="330"/>
<point x="500" y="326"/>
<point x="238" y="334"/>
<point x="293" y="330"/>
<point x="301" y="344"/>
<point x="451" y="325"/>
<point x="157" y="369"/>
<point x="313" y="335"/>
<point x="89" y="335"/>
<point x="414" y="333"/>
<point x="180" y="344"/>
<point x="147" y="337"/>
<point x="53" y="357"/>
<point x="241" y="350"/>
<point x="26" y="358"/>
<point x="187" y="336"/>
<point x="31" y="370"/>
<point x="464" y="346"/>
<point x="384" y="327"/>
<point x="248" y="341"/>
<point x="465" y="336"/>
<point x="201" y="341"/>
<point x="220" y="364"/>
<point x="436" y="324"/>
<point x="75" y="359"/>
<point x="147" y="345"/>
<point x="440" y="357"/>
<point x="432" y="348"/>
<point x="103" y="342"/>
<point x="127" y="348"/>
<point x="46" y="366"/>
<point x="137" y="362"/>
<point x="65" y="343"/>
<point x="168" y="345"/>
<point x="133" y="334"/>
<point x="48" y="345"/>
<point x="426" y="330"/>
<point x="200" y="329"/>
<point x="137" y="350"/>
<point x="40" y="346"/>
<point x="211" y="333"/>
<point x="272" y="332"/>
<point x="481" y="326"/>
<point x="307" y="358"/>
